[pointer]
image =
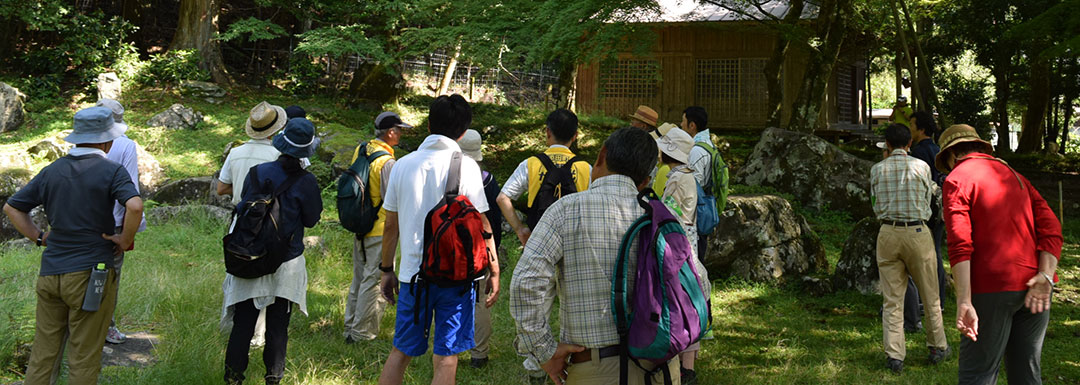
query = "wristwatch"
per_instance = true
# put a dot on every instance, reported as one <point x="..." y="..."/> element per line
<point x="40" y="234"/>
<point x="386" y="269"/>
<point x="1048" y="279"/>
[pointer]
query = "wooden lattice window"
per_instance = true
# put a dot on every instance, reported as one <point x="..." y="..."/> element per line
<point x="732" y="89"/>
<point x="630" y="78"/>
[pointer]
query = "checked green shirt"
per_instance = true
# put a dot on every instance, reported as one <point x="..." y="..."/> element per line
<point x="575" y="244"/>
<point x="901" y="188"/>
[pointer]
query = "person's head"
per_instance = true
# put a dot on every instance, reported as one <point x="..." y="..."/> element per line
<point x="957" y="141"/>
<point x="264" y="120"/>
<point x="295" y="111"/>
<point x="628" y="151"/>
<point x="902" y="100"/>
<point x="694" y="120"/>
<point x="562" y="127"/>
<point x="449" y="116"/>
<point x="95" y="127"/>
<point x="388" y="126"/>
<point x="897" y="136"/>
<point x="644" y="118"/>
<point x="298" y="139"/>
<point x="116" y="108"/>
<point x="471" y="144"/>
<point x="923" y="125"/>
<point x="675" y="146"/>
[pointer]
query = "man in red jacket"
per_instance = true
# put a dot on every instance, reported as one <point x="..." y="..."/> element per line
<point x="1004" y="245"/>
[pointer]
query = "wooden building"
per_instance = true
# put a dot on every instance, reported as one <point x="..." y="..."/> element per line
<point x="708" y="56"/>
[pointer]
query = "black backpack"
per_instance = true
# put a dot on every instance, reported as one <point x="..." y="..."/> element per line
<point x="255" y="246"/>
<point x="355" y="210"/>
<point x="557" y="183"/>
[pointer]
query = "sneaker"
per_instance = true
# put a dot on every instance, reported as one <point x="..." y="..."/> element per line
<point x="114" y="336"/>
<point x="478" y="363"/>
<point x="349" y="340"/>
<point x="913" y="329"/>
<point x="689" y="377"/>
<point x="895" y="365"/>
<point x="938" y="354"/>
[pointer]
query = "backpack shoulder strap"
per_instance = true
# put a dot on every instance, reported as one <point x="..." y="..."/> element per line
<point x="546" y="161"/>
<point x="292" y="179"/>
<point x="570" y="163"/>
<point x="453" y="178"/>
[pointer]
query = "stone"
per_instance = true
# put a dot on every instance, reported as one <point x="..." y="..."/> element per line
<point x="11" y="180"/>
<point x="228" y="148"/>
<point x="761" y="238"/>
<point x="109" y="86"/>
<point x="49" y="149"/>
<point x="176" y="117"/>
<point x="150" y="172"/>
<point x="12" y="114"/>
<point x="198" y="190"/>
<point x="8" y="230"/>
<point x="816" y="287"/>
<point x="15" y="160"/>
<point x="209" y="92"/>
<point x="20" y="243"/>
<point x="857" y="267"/>
<point x="160" y="215"/>
<point x="819" y="174"/>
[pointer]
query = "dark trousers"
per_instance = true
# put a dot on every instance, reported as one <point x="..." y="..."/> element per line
<point x="277" y="337"/>
<point x="912" y="305"/>
<point x="1006" y="329"/>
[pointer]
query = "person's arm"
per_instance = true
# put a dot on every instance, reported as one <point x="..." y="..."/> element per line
<point x="224" y="188"/>
<point x="225" y="182"/>
<point x="967" y="320"/>
<point x="1048" y="243"/>
<point x="507" y="208"/>
<point x="24" y="224"/>
<point x="312" y="208"/>
<point x="388" y="281"/>
<point x="493" y="278"/>
<point x="699" y="164"/>
<point x="132" y="219"/>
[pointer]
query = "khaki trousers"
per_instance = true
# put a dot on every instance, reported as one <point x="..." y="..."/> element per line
<point x="59" y="313"/>
<point x="482" y="322"/>
<point x="904" y="250"/>
<point x="606" y="371"/>
<point x="364" y="305"/>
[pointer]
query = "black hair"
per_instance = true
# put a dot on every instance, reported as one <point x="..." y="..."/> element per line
<point x="964" y="148"/>
<point x="897" y="135"/>
<point x="563" y="125"/>
<point x="698" y="116"/>
<point x="450" y="116"/>
<point x="925" y="123"/>
<point x="668" y="159"/>
<point x="631" y="152"/>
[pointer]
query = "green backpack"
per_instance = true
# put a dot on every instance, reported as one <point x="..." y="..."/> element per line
<point x="716" y="186"/>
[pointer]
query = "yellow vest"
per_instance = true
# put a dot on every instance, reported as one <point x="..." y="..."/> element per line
<point x="660" y="182"/>
<point x="559" y="155"/>
<point x="375" y="179"/>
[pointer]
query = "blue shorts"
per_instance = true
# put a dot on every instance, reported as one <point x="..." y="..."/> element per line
<point x="453" y="313"/>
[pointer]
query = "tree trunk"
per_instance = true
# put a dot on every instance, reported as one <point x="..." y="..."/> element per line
<point x="1066" y="125"/>
<point x="1031" y="134"/>
<point x="564" y="92"/>
<point x="197" y="28"/>
<point x="926" y="79"/>
<point x="448" y="76"/>
<point x="375" y="84"/>
<point x="811" y="97"/>
<point x="773" y="66"/>
<point x="916" y="92"/>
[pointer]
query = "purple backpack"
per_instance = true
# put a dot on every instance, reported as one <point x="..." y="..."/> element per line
<point x="667" y="310"/>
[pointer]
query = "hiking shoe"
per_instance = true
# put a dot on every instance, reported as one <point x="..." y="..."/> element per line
<point x="478" y="363"/>
<point x="114" y="336"/>
<point x="349" y="340"/>
<point x="689" y="377"/>
<point x="895" y="365"/>
<point x="938" y="354"/>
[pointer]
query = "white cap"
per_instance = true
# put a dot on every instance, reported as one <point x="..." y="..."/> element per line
<point x="470" y="144"/>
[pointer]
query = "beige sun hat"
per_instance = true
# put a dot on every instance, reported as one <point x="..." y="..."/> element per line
<point x="264" y="120"/>
<point x="646" y="114"/>
<point x="956" y="134"/>
<point x="676" y="144"/>
<point x="471" y="144"/>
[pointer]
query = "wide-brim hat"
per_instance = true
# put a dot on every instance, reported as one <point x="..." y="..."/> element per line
<point x="646" y="114"/>
<point x="264" y="120"/>
<point x="94" y="125"/>
<point x="956" y="134"/>
<point x="114" y="106"/>
<point x="297" y="139"/>
<point x="471" y="144"/>
<point x="676" y="144"/>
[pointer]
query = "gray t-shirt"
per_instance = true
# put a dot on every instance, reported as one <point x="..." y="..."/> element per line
<point x="78" y="193"/>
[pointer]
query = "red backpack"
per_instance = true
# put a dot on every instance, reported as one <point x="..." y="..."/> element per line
<point x="455" y="246"/>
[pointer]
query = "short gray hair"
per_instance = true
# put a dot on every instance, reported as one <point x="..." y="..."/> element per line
<point x="381" y="133"/>
<point x="631" y="152"/>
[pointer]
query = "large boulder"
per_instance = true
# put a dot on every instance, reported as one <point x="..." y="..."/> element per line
<point x="209" y="92"/>
<point x="49" y="149"/>
<point x="857" y="267"/>
<point x="150" y="172"/>
<point x="163" y="214"/>
<point x="12" y="114"/>
<point x="11" y="180"/>
<point x="176" y="117"/>
<point x="109" y="86"/>
<point x="819" y="174"/>
<point x="199" y="190"/>
<point x="761" y="238"/>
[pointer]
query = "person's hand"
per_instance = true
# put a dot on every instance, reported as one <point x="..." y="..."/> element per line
<point x="967" y="320"/>
<point x="1038" y="294"/>
<point x="45" y="238"/>
<point x="556" y="366"/>
<point x="389" y="285"/>
<point x="119" y="244"/>
<point x="523" y="235"/>
<point x="492" y="290"/>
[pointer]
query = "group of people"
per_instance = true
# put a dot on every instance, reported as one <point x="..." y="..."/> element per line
<point x="1003" y="241"/>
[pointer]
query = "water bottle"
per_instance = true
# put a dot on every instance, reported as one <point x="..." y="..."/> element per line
<point x="95" y="289"/>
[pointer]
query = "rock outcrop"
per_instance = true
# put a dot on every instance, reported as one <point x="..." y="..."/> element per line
<point x="158" y="216"/>
<point x="109" y="86"/>
<point x="49" y="149"/>
<point x="857" y="267"/>
<point x="176" y="117"/>
<point x="199" y="190"/>
<point x="12" y="114"/>
<point x="209" y="92"/>
<point x="150" y="172"/>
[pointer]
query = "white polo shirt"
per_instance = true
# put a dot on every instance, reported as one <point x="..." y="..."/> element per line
<point x="240" y="161"/>
<point x="417" y="183"/>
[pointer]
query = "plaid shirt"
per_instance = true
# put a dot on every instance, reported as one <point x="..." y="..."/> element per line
<point x="901" y="188"/>
<point x="575" y="244"/>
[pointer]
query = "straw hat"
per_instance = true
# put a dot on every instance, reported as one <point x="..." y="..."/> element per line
<point x="94" y="125"/>
<point x="676" y="144"/>
<point x="646" y="114"/>
<point x="264" y="120"/>
<point x="470" y="144"/>
<point x="956" y="134"/>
